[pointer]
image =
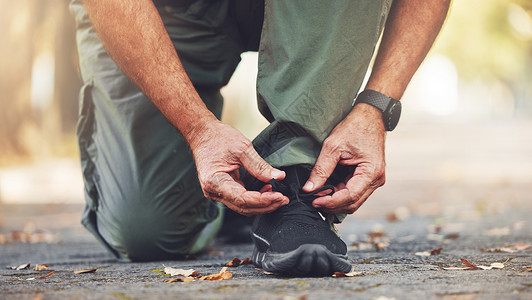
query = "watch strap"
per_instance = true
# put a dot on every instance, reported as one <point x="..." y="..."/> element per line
<point x="374" y="98"/>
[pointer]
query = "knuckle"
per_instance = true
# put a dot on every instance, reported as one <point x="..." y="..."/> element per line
<point x="330" y="145"/>
<point x="262" y="166"/>
<point x="243" y="147"/>
<point x="320" y="171"/>
<point x="240" y="203"/>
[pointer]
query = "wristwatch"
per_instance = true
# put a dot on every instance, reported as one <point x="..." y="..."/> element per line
<point x="390" y="108"/>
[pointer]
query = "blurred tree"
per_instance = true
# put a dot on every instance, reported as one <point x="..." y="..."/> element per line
<point x="491" y="40"/>
<point x="30" y="28"/>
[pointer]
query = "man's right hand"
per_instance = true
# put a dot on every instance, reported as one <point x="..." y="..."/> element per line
<point x="219" y="151"/>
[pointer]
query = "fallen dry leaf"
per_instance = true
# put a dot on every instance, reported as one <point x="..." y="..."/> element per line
<point x="435" y="251"/>
<point x="375" y="239"/>
<point x="509" y="249"/>
<point x="181" y="279"/>
<point x="247" y="261"/>
<point x="222" y="275"/>
<point x="180" y="272"/>
<point x="469" y="265"/>
<point x="529" y="269"/>
<point x="46" y="275"/>
<point x="41" y="267"/>
<point x="85" y="271"/>
<point x="360" y="246"/>
<point x="350" y="274"/>
<point x="493" y="266"/>
<point x="451" y="236"/>
<point x="429" y="252"/>
<point x="399" y="214"/>
<point x="235" y="262"/>
<point x="21" y="267"/>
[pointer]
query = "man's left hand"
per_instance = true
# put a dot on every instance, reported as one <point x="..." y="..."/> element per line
<point x="357" y="141"/>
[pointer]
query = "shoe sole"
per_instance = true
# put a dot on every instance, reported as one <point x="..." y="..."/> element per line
<point x="306" y="260"/>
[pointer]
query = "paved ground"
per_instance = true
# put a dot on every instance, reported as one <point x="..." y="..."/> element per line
<point x="463" y="189"/>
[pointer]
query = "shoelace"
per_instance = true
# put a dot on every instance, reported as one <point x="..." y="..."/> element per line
<point x="300" y="205"/>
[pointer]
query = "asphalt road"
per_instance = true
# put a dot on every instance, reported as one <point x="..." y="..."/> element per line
<point x="465" y="190"/>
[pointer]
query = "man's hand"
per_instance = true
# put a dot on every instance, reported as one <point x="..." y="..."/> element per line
<point x="134" y="35"/>
<point x="219" y="151"/>
<point x="358" y="141"/>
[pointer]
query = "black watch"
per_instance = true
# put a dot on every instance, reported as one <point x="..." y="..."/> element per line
<point x="390" y="108"/>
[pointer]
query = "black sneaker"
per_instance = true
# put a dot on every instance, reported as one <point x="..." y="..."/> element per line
<point x="295" y="239"/>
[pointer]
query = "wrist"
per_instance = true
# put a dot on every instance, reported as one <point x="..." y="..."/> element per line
<point x="389" y="108"/>
<point x="196" y="130"/>
<point x="368" y="114"/>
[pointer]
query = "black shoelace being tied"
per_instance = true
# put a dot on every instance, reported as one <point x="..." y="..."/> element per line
<point x="300" y="204"/>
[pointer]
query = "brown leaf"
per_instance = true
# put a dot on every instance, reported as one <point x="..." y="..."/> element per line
<point x="85" y="271"/>
<point x="451" y="236"/>
<point x="235" y="262"/>
<point x="529" y="269"/>
<point x="392" y="217"/>
<point x="181" y="279"/>
<point x="435" y="251"/>
<point x="375" y="234"/>
<point x="223" y="274"/>
<point x="429" y="253"/>
<point x="41" y="267"/>
<point x="46" y="275"/>
<point x="469" y="265"/>
<point x="180" y="272"/>
<point x="247" y="261"/>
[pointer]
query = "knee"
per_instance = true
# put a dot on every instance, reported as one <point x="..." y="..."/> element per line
<point x="149" y="233"/>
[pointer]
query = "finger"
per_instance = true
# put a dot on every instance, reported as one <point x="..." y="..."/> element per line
<point x="252" y="203"/>
<point x="354" y="189"/>
<point x="258" y="167"/>
<point x="266" y="188"/>
<point x="322" y="170"/>
<point x="258" y="211"/>
<point x="225" y="189"/>
<point x="350" y="207"/>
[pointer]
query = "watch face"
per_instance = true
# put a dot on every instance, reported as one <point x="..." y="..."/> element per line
<point x="392" y="115"/>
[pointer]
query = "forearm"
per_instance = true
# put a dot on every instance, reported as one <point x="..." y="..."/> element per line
<point x="410" y="31"/>
<point x="135" y="37"/>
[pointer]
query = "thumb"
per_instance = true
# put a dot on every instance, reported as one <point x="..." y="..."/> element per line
<point x="323" y="168"/>
<point x="258" y="167"/>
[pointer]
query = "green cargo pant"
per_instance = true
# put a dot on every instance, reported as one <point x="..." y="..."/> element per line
<point x="144" y="201"/>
